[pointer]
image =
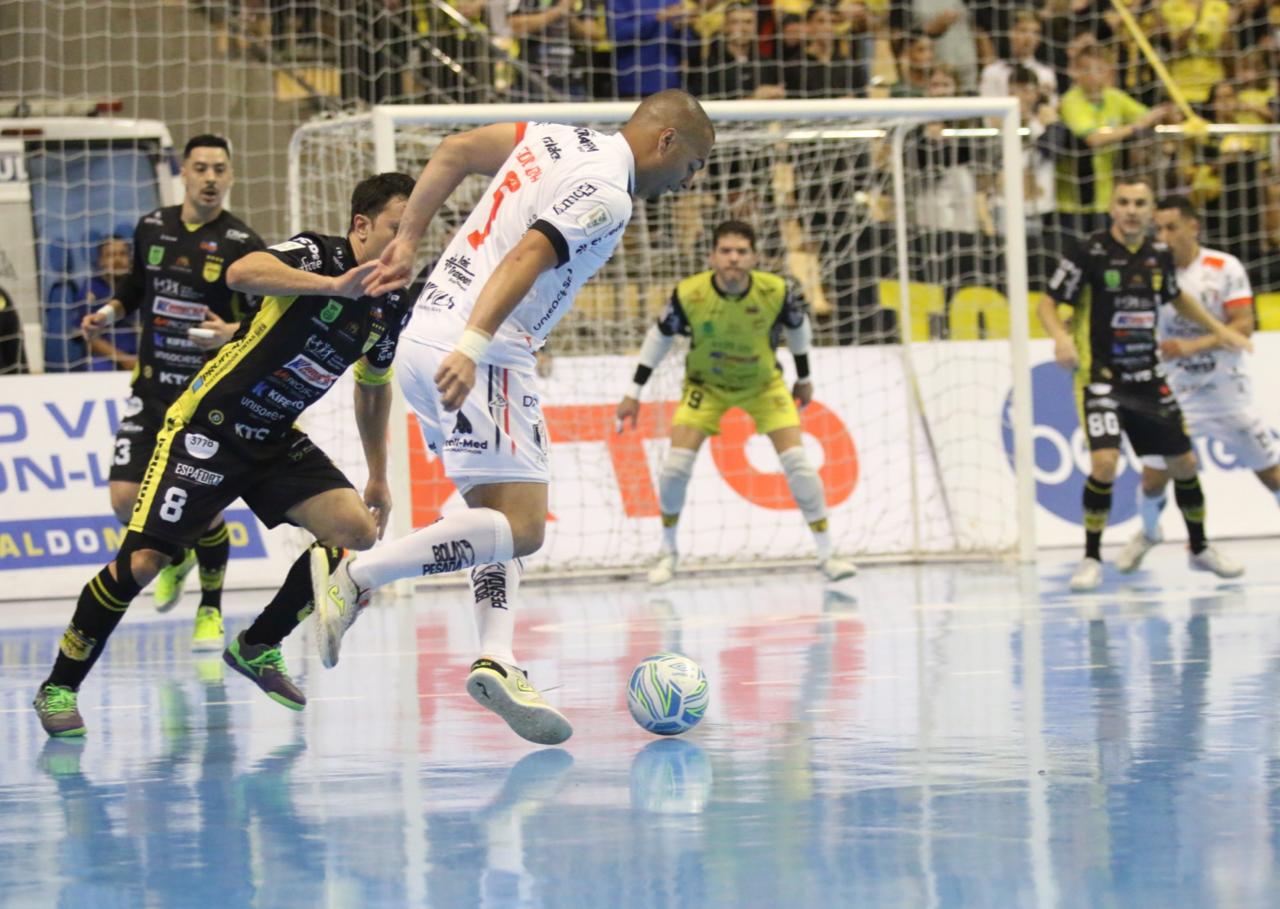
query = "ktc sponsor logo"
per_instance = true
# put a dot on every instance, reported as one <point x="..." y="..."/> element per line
<point x="253" y="433"/>
<point x="594" y="424"/>
<point x="1061" y="453"/>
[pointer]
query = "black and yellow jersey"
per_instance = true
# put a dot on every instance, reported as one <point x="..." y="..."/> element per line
<point x="178" y="274"/>
<point x="1116" y="293"/>
<point x="294" y="349"/>
<point x="732" y="339"/>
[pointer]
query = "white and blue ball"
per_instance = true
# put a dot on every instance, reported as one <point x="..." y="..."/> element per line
<point x="667" y="694"/>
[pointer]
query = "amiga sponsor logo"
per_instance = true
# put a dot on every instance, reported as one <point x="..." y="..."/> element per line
<point x="311" y="372"/>
<point x="179" y="309"/>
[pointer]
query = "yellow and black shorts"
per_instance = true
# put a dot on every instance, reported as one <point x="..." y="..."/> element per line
<point x="771" y="407"/>
<point x="195" y="473"/>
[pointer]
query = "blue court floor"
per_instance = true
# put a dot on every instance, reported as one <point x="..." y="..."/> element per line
<point x="945" y="735"/>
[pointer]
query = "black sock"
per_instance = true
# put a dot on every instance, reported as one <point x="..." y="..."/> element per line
<point x="1097" y="506"/>
<point x="212" y="551"/>
<point x="291" y="604"/>
<point x="98" y="611"/>
<point x="1190" y="499"/>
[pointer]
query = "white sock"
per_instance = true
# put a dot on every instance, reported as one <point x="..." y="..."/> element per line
<point x="669" y="534"/>
<point x="493" y="589"/>
<point x="806" y="489"/>
<point x="1150" y="509"/>
<point x="459" y="540"/>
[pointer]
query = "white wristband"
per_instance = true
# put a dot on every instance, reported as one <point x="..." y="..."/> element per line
<point x="636" y="391"/>
<point x="473" y="344"/>
<point x="108" y="312"/>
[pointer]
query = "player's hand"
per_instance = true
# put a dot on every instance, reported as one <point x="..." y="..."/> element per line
<point x="223" y="332"/>
<point x="802" y="391"/>
<point x="393" y="269"/>
<point x="1064" y="351"/>
<point x="93" y="325"/>
<point x="1173" y="348"/>
<point x="628" y="409"/>
<point x="377" y="495"/>
<point x="1231" y="339"/>
<point x="455" y="379"/>
<point x="352" y="284"/>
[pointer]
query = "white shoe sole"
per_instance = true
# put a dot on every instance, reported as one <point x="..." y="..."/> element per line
<point x="850" y="572"/>
<point x="326" y="644"/>
<point x="209" y="645"/>
<point x="542" y="725"/>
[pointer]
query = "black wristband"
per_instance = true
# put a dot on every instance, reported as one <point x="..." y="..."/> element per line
<point x="802" y="366"/>
<point x="642" y="374"/>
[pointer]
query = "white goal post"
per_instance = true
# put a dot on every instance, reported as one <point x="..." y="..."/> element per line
<point x="923" y="417"/>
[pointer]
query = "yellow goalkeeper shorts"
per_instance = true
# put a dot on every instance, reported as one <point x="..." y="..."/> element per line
<point x="771" y="407"/>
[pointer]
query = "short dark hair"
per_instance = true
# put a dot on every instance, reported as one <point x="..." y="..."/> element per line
<point x="1182" y="204"/>
<point x="1023" y="75"/>
<point x="206" y="140"/>
<point x="372" y="194"/>
<point x="1134" y="179"/>
<point x="734" y="229"/>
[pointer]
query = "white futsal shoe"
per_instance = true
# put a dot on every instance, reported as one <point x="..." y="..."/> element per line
<point x="338" y="602"/>
<point x="664" y="569"/>
<point x="1211" y="559"/>
<point x="505" y="689"/>
<point x="1130" y="558"/>
<point x="835" y="568"/>
<point x="1087" y="576"/>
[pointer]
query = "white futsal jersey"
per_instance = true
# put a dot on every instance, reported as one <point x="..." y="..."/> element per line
<point x="570" y="183"/>
<point x="1213" y="377"/>
<point x="1213" y="387"/>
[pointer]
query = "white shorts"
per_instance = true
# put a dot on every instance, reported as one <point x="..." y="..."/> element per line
<point x="1253" y="443"/>
<point x="497" y="436"/>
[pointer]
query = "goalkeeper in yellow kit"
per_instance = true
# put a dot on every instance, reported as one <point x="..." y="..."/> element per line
<point x="734" y="317"/>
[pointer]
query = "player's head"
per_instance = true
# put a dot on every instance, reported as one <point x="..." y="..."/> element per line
<point x="206" y="172"/>
<point x="377" y="204"/>
<point x="671" y="137"/>
<point x="113" y="257"/>
<point x="1132" y="208"/>
<point x="1178" y="226"/>
<point x="733" y="252"/>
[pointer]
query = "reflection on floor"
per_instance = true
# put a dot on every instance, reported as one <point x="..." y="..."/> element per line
<point x="946" y="735"/>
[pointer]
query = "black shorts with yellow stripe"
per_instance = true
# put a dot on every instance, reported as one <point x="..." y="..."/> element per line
<point x="197" y="472"/>
<point x="1147" y="413"/>
<point x="135" y="440"/>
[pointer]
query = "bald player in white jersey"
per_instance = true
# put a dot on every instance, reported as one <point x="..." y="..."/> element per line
<point x="1212" y="384"/>
<point x="554" y="211"/>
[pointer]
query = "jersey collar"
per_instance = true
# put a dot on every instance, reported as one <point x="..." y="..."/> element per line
<point x="728" y="296"/>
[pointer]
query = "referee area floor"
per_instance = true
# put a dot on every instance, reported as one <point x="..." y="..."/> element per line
<point x="918" y="736"/>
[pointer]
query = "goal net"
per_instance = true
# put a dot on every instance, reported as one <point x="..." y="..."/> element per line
<point x="892" y="219"/>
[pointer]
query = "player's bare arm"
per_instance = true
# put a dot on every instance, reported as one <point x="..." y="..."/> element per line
<point x="1225" y="336"/>
<point x="1240" y="320"/>
<point x="501" y="294"/>
<point x="477" y="151"/>
<point x="373" y="411"/>
<point x="263" y="274"/>
<point x="1064" y="347"/>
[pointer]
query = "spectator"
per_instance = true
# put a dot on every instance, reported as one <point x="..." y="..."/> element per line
<point x="942" y="191"/>
<point x="1134" y="75"/>
<point x="650" y="38"/>
<point x="64" y="346"/>
<point x="546" y="30"/>
<point x="828" y="68"/>
<point x="914" y="67"/>
<point x="732" y="67"/>
<point x="1255" y="88"/>
<point x="1038" y="113"/>
<point x="1098" y="119"/>
<point x="1194" y="31"/>
<point x="1024" y="41"/>
<point x="949" y="24"/>
<point x="1251" y="24"/>
<point x="459" y="60"/>
<point x="13" y="356"/>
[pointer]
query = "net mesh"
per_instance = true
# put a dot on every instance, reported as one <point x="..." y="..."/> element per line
<point x="903" y="438"/>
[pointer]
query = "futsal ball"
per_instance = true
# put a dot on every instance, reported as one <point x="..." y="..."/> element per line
<point x="667" y="694"/>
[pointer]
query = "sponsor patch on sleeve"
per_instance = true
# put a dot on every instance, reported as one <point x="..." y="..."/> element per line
<point x="594" y="219"/>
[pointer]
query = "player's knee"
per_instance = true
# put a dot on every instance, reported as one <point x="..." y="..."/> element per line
<point x="1270" y="477"/>
<point x="122" y="504"/>
<point x="358" y="533"/>
<point x="527" y="534"/>
<point x="1103" y="465"/>
<point x="1184" y="466"/>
